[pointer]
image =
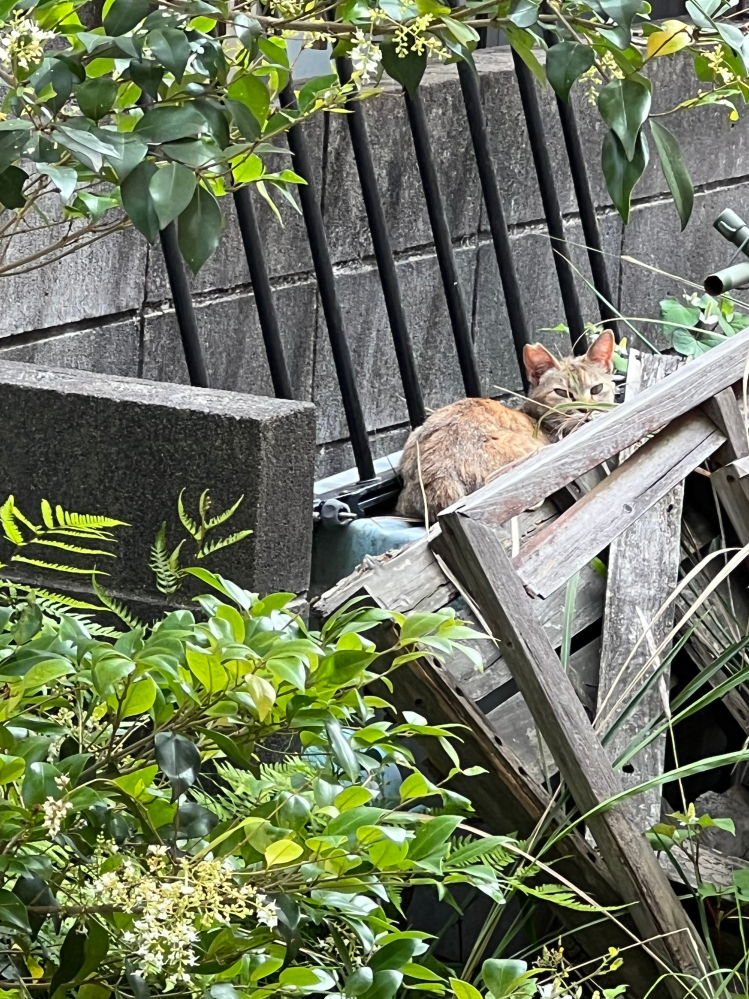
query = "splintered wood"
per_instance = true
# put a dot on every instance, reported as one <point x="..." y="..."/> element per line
<point x="508" y="556"/>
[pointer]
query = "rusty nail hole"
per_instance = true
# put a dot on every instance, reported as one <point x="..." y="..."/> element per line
<point x="730" y="478"/>
<point x="627" y="508"/>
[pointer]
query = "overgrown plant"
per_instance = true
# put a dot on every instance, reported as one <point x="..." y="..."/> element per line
<point x="153" y="112"/>
<point x="696" y="323"/>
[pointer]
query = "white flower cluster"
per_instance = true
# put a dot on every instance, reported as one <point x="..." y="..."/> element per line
<point x="171" y="903"/>
<point x="365" y="58"/>
<point x="22" y="42"/>
<point x="54" y="815"/>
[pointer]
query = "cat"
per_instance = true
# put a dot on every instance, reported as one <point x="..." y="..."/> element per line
<point x="463" y="445"/>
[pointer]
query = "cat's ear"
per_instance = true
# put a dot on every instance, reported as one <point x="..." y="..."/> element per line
<point x="537" y="362"/>
<point x="601" y="351"/>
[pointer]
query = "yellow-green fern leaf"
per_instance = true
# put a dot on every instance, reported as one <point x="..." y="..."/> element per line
<point x="117" y="608"/>
<point x="214" y="546"/>
<point x="79" y="532"/>
<point x="10" y="527"/>
<point x="221" y="518"/>
<point x="24" y="520"/>
<point x="187" y="522"/>
<point x="71" y="548"/>
<point x="95" y="520"/>
<point x="167" y="580"/>
<point x="49" y="520"/>
<point x="56" y="567"/>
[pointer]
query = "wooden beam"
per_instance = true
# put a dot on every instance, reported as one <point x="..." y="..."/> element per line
<point x="643" y="570"/>
<point x="524" y="486"/>
<point x="479" y="560"/>
<point x="617" y="502"/>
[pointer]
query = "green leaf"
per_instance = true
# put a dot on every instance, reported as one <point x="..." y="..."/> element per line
<point x="123" y="16"/>
<point x="385" y="985"/>
<point x="171" y="48"/>
<point x="500" y="975"/>
<point x="622" y="12"/>
<point x="624" y="106"/>
<point x="357" y="983"/>
<point x="252" y="93"/>
<point x="139" y="698"/>
<point x="179" y="759"/>
<point x="13" y="912"/>
<point x="72" y="957"/>
<point x="431" y="835"/>
<point x="406" y="70"/>
<point x="28" y="623"/>
<point x="137" y="200"/>
<point x="87" y="147"/>
<point x="11" y="768"/>
<point x="95" y="949"/>
<point x="464" y="990"/>
<point x="524" y="13"/>
<point x="565" y="63"/>
<point x="147" y="74"/>
<point x="396" y="953"/>
<point x="168" y="122"/>
<point x="64" y="179"/>
<point x="39" y="784"/>
<point x="675" y="170"/>
<point x="12" y="143"/>
<point x="128" y="151"/>
<point x="12" y="180"/>
<point x="622" y="174"/>
<point x="342" y="751"/>
<point x="171" y="189"/>
<point x="96" y="97"/>
<point x="283" y="851"/>
<point x="199" y="227"/>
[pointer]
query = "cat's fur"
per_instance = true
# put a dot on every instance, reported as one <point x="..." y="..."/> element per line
<point x="463" y="445"/>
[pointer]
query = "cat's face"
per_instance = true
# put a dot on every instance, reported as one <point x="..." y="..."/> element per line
<point x="567" y="392"/>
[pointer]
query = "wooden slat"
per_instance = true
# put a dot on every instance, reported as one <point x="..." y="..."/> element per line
<point x="479" y="560"/>
<point x="643" y="569"/>
<point x="520" y="488"/>
<point x="584" y="530"/>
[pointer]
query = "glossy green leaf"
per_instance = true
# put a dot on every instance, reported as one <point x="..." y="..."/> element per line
<point x="96" y="97"/>
<point x="13" y="912"/>
<point x="12" y="143"/>
<point x="11" y="768"/>
<point x="524" y="13"/>
<point x="147" y="74"/>
<point x="385" y="985"/>
<point x="342" y="751"/>
<point x="171" y="189"/>
<point x="139" y="697"/>
<point x="624" y="106"/>
<point x="358" y="982"/>
<point x="169" y="122"/>
<point x="171" y="48"/>
<point x="432" y="835"/>
<point x="252" y="93"/>
<point x="620" y="173"/>
<point x="179" y="759"/>
<point x="123" y="15"/>
<point x="39" y="784"/>
<point x="406" y="70"/>
<point x="12" y="180"/>
<point x="501" y="974"/>
<point x="464" y="990"/>
<point x="565" y="63"/>
<point x="65" y="179"/>
<point x="137" y="201"/>
<point x="675" y="170"/>
<point x="199" y="227"/>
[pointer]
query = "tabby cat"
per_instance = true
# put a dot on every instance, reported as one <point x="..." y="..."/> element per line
<point x="463" y="445"/>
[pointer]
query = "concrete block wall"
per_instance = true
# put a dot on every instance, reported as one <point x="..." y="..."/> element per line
<point x="108" y="309"/>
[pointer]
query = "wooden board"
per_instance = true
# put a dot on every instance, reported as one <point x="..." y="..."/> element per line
<point x="643" y="569"/>
<point x="553" y="467"/>
<point x="481" y="563"/>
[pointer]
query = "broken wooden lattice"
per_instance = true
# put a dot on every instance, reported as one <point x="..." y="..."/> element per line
<point x="619" y="484"/>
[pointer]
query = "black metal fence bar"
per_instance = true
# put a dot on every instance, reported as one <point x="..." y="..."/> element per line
<point x="328" y="295"/>
<point x="469" y="85"/>
<point x="183" y="308"/>
<point x="588" y="217"/>
<point x="357" y="125"/>
<point x="443" y="245"/>
<point x="266" y="310"/>
<point x="552" y="211"/>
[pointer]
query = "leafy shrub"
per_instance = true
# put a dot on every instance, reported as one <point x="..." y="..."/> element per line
<point x="695" y="324"/>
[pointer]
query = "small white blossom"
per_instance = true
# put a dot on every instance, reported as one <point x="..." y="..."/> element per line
<point x="267" y="914"/>
<point x="365" y="57"/>
<point x="54" y="815"/>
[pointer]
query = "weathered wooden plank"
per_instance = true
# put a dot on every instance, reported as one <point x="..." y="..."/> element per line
<point x="725" y="412"/>
<point x="481" y="563"/>
<point x="733" y="499"/>
<point x="520" y="488"/>
<point x="584" y="530"/>
<point x="643" y="569"/>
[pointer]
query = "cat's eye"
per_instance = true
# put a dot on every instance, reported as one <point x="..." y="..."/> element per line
<point x="597" y="389"/>
<point x="565" y="393"/>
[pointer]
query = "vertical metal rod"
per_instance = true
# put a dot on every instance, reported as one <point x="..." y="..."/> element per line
<point x="328" y="295"/>
<point x="266" y="310"/>
<point x="443" y="244"/>
<point x="552" y="211"/>
<point x="469" y="84"/>
<point x="186" y="321"/>
<point x="383" y="252"/>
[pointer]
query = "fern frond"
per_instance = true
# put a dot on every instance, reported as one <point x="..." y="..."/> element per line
<point x="67" y="519"/>
<point x="60" y="598"/>
<point x="187" y="522"/>
<point x="49" y="520"/>
<point x="214" y="546"/>
<point x="70" y="548"/>
<point x="167" y="580"/>
<point x="116" y="607"/>
<point x="24" y="520"/>
<point x="78" y="532"/>
<point x="56" y="567"/>
<point x="174" y="557"/>
<point x="223" y="517"/>
<point x="7" y="519"/>
<point x="204" y="504"/>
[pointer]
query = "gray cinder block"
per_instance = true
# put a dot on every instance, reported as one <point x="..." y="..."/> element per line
<point x="126" y="447"/>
